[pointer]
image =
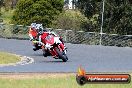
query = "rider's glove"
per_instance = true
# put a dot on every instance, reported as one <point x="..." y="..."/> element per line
<point x="31" y="39"/>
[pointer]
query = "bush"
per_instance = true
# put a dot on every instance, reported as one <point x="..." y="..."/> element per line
<point x="42" y="11"/>
<point x="73" y="20"/>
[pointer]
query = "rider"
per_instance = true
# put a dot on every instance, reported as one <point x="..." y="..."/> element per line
<point x="45" y="33"/>
<point x="32" y="31"/>
<point x="36" y="31"/>
<point x="33" y="34"/>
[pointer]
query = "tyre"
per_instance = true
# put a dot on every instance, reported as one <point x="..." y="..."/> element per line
<point x="61" y="55"/>
<point x="81" y="80"/>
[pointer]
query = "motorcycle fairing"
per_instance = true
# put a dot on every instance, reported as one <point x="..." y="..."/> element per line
<point x="49" y="39"/>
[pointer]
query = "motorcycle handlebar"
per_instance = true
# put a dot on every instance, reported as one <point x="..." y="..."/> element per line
<point x="39" y="42"/>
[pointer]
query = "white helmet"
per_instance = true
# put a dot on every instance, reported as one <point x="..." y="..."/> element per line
<point x="39" y="26"/>
<point x="33" y="25"/>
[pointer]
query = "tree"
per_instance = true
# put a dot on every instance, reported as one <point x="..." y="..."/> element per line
<point x="70" y="20"/>
<point x="91" y="9"/>
<point x="117" y="15"/>
<point x="75" y="20"/>
<point x="66" y="1"/>
<point x="7" y="4"/>
<point x="1" y="4"/>
<point x="43" y="11"/>
<point x="88" y="7"/>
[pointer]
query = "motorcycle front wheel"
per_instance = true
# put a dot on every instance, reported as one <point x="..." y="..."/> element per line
<point x="61" y="55"/>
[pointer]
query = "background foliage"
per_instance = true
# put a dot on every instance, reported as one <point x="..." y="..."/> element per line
<point x="117" y="15"/>
<point x="69" y="19"/>
<point x="42" y="11"/>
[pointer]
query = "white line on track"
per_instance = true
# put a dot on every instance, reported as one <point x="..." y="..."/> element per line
<point x="24" y="60"/>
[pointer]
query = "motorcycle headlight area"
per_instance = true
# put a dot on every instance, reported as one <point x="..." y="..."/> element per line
<point x="48" y="45"/>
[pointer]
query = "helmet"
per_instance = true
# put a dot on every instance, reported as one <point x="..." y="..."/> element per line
<point x="39" y="26"/>
<point x="33" y="25"/>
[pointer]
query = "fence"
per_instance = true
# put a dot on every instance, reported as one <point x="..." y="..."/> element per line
<point x="92" y="38"/>
<point x="13" y="31"/>
<point x="70" y="36"/>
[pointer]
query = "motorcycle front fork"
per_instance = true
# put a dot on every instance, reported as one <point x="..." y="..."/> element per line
<point x="53" y="51"/>
<point x="61" y="46"/>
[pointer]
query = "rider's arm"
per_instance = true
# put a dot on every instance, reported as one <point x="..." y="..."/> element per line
<point x="30" y="34"/>
<point x="31" y="37"/>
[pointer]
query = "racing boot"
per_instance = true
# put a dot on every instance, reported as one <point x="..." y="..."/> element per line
<point x="34" y="48"/>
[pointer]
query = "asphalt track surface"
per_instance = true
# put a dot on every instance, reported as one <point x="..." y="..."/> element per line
<point x="92" y="58"/>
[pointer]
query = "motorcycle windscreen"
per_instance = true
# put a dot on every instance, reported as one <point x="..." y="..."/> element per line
<point x="49" y="39"/>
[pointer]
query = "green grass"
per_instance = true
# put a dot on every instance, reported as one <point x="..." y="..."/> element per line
<point x="49" y="82"/>
<point x="6" y="58"/>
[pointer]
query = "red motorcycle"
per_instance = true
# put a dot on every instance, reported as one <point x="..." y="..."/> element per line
<point x="51" y="45"/>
